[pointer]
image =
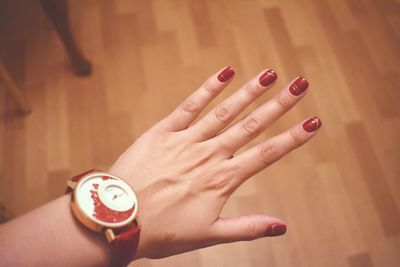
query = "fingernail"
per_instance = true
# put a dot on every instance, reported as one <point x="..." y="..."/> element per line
<point x="298" y="86"/>
<point x="312" y="124"/>
<point x="268" y="77"/>
<point x="226" y="74"/>
<point x="275" y="230"/>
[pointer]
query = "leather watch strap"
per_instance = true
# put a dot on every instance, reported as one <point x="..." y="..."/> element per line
<point x="76" y="178"/>
<point x="125" y="246"/>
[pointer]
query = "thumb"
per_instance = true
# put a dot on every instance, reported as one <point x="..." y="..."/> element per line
<point x="247" y="228"/>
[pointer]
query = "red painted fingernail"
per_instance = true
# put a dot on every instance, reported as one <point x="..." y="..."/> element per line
<point x="226" y="74"/>
<point x="275" y="230"/>
<point x="312" y="124"/>
<point x="268" y="77"/>
<point x="298" y="86"/>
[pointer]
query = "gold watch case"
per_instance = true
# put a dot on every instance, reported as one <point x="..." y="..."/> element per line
<point x="108" y="229"/>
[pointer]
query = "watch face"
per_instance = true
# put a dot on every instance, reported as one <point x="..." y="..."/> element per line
<point x="106" y="199"/>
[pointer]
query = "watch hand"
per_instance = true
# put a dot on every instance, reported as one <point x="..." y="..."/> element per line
<point x="116" y="196"/>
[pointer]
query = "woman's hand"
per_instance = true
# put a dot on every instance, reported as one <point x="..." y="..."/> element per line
<point x="184" y="172"/>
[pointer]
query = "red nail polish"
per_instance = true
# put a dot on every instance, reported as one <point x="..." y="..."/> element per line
<point x="226" y="74"/>
<point x="312" y="124"/>
<point x="275" y="230"/>
<point x="298" y="86"/>
<point x="268" y="77"/>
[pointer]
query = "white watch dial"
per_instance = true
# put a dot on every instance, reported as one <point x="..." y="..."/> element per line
<point x="116" y="195"/>
<point x="106" y="199"/>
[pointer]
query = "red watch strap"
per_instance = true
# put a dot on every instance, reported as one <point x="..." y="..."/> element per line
<point x="125" y="246"/>
<point x="79" y="176"/>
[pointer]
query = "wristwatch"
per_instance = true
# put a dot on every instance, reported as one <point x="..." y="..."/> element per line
<point x="107" y="204"/>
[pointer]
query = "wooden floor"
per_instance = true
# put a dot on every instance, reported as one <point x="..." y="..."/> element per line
<point x="339" y="194"/>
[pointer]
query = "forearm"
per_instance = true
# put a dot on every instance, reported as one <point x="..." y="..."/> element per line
<point x="51" y="236"/>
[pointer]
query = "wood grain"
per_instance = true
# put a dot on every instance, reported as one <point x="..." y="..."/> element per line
<point x="339" y="194"/>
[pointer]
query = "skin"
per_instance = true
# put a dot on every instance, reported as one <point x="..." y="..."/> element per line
<point x="183" y="173"/>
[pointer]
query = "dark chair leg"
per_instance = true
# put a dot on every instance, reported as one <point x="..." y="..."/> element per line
<point x="57" y="11"/>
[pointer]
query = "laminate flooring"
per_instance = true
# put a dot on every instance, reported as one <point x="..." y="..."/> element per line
<point x="339" y="194"/>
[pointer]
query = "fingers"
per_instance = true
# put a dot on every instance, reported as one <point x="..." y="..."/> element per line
<point x="187" y="112"/>
<point x="253" y="124"/>
<point x="247" y="228"/>
<point x="261" y="156"/>
<point x="219" y="117"/>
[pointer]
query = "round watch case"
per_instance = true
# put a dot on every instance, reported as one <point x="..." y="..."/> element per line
<point x="101" y="201"/>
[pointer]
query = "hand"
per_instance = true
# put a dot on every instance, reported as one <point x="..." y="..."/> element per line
<point x="184" y="172"/>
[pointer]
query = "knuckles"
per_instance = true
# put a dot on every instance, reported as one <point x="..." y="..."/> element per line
<point x="210" y="87"/>
<point x="269" y="152"/>
<point x="251" y="125"/>
<point x="189" y="106"/>
<point x="283" y="100"/>
<point x="223" y="114"/>
<point x="251" y="230"/>
<point x="254" y="89"/>
<point x="296" y="136"/>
